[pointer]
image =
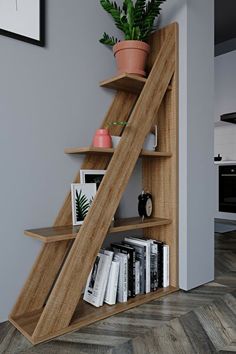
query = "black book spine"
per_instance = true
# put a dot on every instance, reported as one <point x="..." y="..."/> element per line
<point x="131" y="266"/>
<point x="160" y="265"/>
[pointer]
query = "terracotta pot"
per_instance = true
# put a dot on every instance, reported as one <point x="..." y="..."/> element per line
<point x="102" y="139"/>
<point x="131" y="57"/>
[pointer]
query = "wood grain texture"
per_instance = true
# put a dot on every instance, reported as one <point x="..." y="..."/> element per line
<point x="85" y="314"/>
<point x="103" y="151"/>
<point x="65" y="295"/>
<point x="161" y="178"/>
<point x="127" y="82"/>
<point x="48" y="263"/>
<point x="62" y="233"/>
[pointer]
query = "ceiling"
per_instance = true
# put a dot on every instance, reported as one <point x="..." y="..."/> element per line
<point x="225" y="20"/>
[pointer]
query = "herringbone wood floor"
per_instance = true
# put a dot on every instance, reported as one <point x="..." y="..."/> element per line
<point x="200" y="321"/>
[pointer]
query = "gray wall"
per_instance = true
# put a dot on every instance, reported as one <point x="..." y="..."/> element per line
<point x="50" y="99"/>
<point x="196" y="116"/>
<point x="200" y="141"/>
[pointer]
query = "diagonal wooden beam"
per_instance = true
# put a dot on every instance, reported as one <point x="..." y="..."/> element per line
<point x="66" y="293"/>
<point x="51" y="257"/>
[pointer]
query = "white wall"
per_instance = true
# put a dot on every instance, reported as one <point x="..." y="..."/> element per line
<point x="225" y="102"/>
<point x="50" y="99"/>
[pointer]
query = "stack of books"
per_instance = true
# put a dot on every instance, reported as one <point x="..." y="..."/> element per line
<point x="135" y="266"/>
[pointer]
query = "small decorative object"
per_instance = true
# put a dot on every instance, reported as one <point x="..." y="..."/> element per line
<point x="151" y="140"/>
<point x="145" y="205"/>
<point x="92" y="176"/>
<point x="218" y="158"/>
<point x="136" y="21"/>
<point x="115" y="140"/>
<point x="23" y="19"/>
<point x="82" y="196"/>
<point x="102" y="138"/>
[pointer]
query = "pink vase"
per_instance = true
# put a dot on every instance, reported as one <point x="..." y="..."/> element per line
<point x="102" y="139"/>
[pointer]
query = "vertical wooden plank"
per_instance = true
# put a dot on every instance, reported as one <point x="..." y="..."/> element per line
<point x="67" y="290"/>
<point x="51" y="256"/>
<point x="160" y="176"/>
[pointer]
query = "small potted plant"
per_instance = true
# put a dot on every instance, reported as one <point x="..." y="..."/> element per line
<point x="136" y="21"/>
<point x="102" y="137"/>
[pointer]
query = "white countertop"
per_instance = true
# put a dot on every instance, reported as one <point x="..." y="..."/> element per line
<point x="225" y="162"/>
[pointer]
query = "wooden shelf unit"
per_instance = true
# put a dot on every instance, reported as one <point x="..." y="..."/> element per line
<point x="50" y="303"/>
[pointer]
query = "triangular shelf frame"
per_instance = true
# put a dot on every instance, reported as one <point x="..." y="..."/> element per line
<point x="50" y="302"/>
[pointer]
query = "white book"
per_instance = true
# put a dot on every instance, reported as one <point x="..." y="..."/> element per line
<point x="147" y="245"/>
<point x="106" y="272"/>
<point x="137" y="277"/>
<point x="112" y="284"/>
<point x="122" y="294"/>
<point x="92" y="293"/>
<point x="166" y="281"/>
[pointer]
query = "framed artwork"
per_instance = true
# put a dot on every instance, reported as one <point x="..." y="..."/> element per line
<point x="23" y="20"/>
<point x="92" y="176"/>
<point x="82" y="196"/>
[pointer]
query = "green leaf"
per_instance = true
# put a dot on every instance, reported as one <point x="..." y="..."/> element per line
<point x="135" y="20"/>
<point x="108" y="40"/>
<point x="81" y="205"/>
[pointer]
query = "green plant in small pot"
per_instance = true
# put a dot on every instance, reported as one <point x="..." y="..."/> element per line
<point x="136" y="20"/>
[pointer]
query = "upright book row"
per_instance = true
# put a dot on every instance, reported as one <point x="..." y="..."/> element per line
<point x="135" y="266"/>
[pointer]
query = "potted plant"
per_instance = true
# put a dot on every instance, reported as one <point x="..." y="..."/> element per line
<point x="102" y="137"/>
<point x="136" y="21"/>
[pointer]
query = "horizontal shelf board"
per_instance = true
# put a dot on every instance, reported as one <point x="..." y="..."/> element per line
<point x="85" y="314"/>
<point x="126" y="82"/>
<point x="95" y="150"/>
<point x="61" y="233"/>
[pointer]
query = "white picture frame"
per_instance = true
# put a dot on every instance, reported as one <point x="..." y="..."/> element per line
<point x="23" y="20"/>
<point x="92" y="176"/>
<point x="82" y="195"/>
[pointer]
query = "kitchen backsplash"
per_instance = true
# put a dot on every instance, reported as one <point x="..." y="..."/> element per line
<point x="225" y="141"/>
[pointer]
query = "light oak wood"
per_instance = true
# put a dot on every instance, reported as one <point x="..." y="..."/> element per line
<point x="62" y="233"/>
<point x="84" y="315"/>
<point x="126" y="82"/>
<point x="50" y="297"/>
<point x="162" y="179"/>
<point x="66" y="292"/>
<point x="101" y="151"/>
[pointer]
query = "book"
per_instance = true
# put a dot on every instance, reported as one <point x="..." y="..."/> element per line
<point x="159" y="263"/>
<point x="126" y="249"/>
<point x="93" y="288"/>
<point x="122" y="293"/>
<point x="105" y="275"/>
<point x="166" y="281"/>
<point x="137" y="277"/>
<point x="146" y="244"/>
<point x="112" y="284"/>
<point x="140" y="255"/>
<point x="153" y="266"/>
